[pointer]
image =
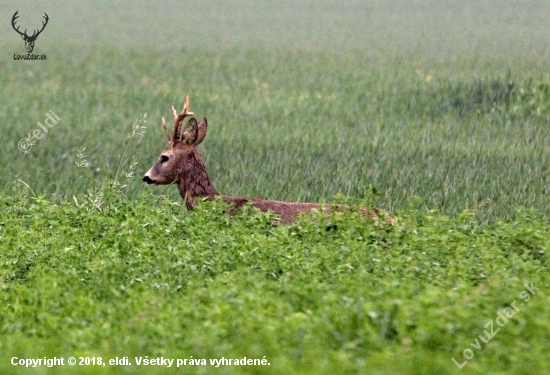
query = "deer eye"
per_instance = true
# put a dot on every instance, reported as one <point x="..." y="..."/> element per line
<point x="164" y="159"/>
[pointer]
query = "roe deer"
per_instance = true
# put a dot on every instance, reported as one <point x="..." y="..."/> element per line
<point x="180" y="163"/>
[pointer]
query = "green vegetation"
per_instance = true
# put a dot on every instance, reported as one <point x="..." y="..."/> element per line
<point x="437" y="114"/>
<point x="116" y="277"/>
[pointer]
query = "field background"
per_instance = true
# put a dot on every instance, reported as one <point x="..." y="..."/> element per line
<point x="305" y="100"/>
<point x="429" y="109"/>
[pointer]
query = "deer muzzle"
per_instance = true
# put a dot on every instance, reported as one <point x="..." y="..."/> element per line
<point x="148" y="180"/>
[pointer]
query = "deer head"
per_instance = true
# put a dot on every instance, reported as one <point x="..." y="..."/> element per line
<point x="29" y="40"/>
<point x="178" y="160"/>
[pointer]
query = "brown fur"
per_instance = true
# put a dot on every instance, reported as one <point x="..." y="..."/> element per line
<point x="180" y="163"/>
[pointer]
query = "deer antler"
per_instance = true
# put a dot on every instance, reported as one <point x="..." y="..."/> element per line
<point x="35" y="34"/>
<point x="24" y="34"/>
<point x="177" y="120"/>
<point x="14" y="18"/>
<point x="166" y="129"/>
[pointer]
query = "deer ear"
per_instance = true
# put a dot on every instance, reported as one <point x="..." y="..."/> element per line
<point x="190" y="133"/>
<point x="202" y="128"/>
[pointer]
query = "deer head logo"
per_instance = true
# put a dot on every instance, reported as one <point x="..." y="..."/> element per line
<point x="29" y="40"/>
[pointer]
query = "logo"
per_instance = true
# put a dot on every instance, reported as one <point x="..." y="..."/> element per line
<point x="29" y="39"/>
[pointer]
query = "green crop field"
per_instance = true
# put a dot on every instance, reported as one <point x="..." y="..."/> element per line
<point x="436" y="111"/>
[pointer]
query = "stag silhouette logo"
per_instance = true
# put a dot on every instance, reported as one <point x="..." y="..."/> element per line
<point x="29" y="39"/>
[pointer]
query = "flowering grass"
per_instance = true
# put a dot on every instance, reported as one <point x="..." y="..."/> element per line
<point x="336" y="123"/>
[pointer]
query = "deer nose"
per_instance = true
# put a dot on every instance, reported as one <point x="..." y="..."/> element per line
<point x="148" y="180"/>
